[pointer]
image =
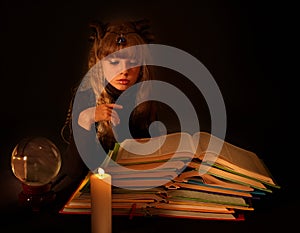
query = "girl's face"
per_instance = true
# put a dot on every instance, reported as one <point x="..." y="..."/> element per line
<point x="118" y="73"/>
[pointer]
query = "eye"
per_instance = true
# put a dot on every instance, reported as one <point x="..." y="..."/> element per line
<point x="114" y="61"/>
<point x="133" y="62"/>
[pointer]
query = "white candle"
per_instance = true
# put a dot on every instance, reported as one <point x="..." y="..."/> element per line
<point x="101" y="216"/>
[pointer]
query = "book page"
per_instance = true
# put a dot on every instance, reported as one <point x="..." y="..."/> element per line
<point x="209" y="180"/>
<point x="230" y="155"/>
<point x="175" y="166"/>
<point x="206" y="197"/>
<point x="211" y="189"/>
<point x="193" y="214"/>
<point x="200" y="208"/>
<point x="146" y="175"/>
<point x="165" y="145"/>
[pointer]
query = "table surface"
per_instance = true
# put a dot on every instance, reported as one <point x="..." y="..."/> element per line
<point x="270" y="213"/>
<point x="278" y="210"/>
<point x="22" y="221"/>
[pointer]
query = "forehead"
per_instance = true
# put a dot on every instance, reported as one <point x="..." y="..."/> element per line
<point x="130" y="53"/>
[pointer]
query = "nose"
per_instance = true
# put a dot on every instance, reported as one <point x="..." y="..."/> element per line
<point x="124" y="67"/>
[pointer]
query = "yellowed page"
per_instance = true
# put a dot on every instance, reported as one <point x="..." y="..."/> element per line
<point x="231" y="156"/>
<point x="167" y="145"/>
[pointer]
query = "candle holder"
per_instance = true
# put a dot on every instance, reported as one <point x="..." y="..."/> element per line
<point x="36" y="162"/>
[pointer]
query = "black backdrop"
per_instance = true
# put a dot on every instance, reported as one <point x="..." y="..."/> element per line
<point x="43" y="55"/>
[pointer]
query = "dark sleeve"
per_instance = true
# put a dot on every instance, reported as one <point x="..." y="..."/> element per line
<point x="74" y="166"/>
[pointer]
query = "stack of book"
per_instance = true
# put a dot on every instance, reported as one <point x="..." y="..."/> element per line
<point x="196" y="176"/>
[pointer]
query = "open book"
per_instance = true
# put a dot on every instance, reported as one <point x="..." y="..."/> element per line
<point x="203" y="151"/>
<point x="201" y="177"/>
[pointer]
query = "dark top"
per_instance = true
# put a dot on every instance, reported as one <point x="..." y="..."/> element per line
<point x="85" y="152"/>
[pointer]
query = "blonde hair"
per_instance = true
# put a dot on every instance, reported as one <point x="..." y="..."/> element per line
<point x="105" y="42"/>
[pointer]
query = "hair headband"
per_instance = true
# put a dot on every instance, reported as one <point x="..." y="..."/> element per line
<point x="99" y="30"/>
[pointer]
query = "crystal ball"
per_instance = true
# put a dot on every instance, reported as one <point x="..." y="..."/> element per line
<point x="35" y="161"/>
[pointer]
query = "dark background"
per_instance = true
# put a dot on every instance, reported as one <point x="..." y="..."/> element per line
<point x="245" y="47"/>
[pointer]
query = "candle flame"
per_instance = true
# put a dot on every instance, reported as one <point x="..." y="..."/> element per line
<point x="100" y="171"/>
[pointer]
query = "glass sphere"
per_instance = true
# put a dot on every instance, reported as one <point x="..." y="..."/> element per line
<point x="35" y="161"/>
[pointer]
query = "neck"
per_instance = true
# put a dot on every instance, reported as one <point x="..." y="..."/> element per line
<point x="112" y="91"/>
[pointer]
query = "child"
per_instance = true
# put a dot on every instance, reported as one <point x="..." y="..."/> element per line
<point x="94" y="117"/>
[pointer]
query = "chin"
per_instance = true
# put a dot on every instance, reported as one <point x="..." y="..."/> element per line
<point x="122" y="88"/>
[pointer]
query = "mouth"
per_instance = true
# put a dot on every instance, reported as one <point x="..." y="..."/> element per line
<point x="123" y="81"/>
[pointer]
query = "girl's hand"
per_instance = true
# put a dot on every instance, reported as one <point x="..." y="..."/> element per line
<point x="103" y="112"/>
<point x="106" y="112"/>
